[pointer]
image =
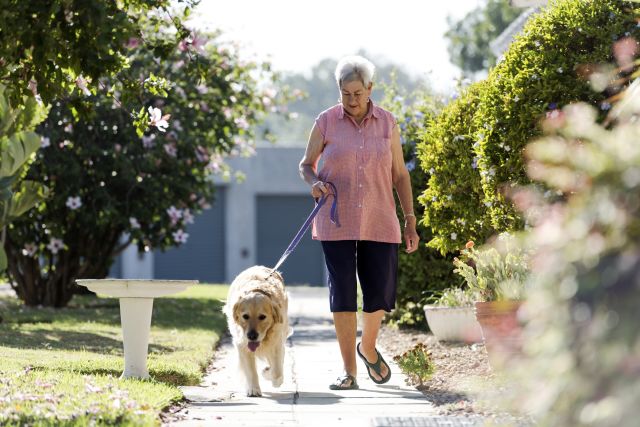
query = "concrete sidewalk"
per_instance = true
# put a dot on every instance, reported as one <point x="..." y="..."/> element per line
<point x="312" y="362"/>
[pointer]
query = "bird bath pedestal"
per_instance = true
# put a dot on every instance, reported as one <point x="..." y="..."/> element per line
<point x="136" y="304"/>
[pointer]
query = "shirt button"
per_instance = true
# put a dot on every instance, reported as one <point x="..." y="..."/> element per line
<point x="360" y="185"/>
<point x="359" y="206"/>
<point x="359" y="130"/>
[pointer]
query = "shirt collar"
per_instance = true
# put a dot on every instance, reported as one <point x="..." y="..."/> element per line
<point x="374" y="111"/>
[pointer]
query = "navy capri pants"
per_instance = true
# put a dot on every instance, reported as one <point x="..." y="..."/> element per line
<point x="376" y="267"/>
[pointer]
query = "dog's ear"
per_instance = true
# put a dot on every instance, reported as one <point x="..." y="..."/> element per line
<point x="236" y="311"/>
<point x="277" y="312"/>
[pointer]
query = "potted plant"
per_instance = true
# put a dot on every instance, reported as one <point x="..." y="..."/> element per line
<point x="497" y="274"/>
<point x="452" y="318"/>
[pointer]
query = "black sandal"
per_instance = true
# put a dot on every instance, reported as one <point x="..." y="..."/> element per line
<point x="345" y="382"/>
<point x="377" y="367"/>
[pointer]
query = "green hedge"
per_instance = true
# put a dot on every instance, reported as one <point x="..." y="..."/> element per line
<point x="426" y="271"/>
<point x="494" y="119"/>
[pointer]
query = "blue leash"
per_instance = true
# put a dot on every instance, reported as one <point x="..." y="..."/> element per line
<point x="333" y="216"/>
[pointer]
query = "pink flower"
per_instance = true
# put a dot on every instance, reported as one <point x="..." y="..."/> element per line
<point x="148" y="141"/>
<point x="201" y="154"/>
<point x="29" y="249"/>
<point x="174" y="214"/>
<point x="625" y="50"/>
<point x="158" y="120"/>
<point x="187" y="216"/>
<point x="132" y="43"/>
<point x="180" y="236"/>
<point x="55" y="245"/>
<point x="171" y="149"/>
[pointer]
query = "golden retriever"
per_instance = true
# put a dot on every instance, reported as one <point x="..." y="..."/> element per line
<point x="256" y="311"/>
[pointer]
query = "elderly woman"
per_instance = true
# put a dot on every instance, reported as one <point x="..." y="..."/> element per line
<point x="359" y="144"/>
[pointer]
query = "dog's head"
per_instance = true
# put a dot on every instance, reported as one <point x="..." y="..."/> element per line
<point x="256" y="313"/>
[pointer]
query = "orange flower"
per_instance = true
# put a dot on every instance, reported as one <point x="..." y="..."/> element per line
<point x="469" y="244"/>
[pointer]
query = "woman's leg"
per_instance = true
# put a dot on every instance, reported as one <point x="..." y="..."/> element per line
<point x="370" y="327"/>
<point x="377" y="271"/>
<point x="340" y="257"/>
<point x="346" y="326"/>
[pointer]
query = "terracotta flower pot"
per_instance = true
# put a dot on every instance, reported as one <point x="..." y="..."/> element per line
<point x="501" y="330"/>
<point x="453" y="323"/>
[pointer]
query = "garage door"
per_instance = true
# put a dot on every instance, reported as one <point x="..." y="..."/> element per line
<point x="278" y="220"/>
<point x="202" y="257"/>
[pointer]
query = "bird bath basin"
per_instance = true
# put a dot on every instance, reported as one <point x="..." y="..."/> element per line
<point x="136" y="305"/>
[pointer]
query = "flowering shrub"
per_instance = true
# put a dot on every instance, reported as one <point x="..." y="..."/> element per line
<point x="495" y="272"/>
<point x="424" y="272"/>
<point x="474" y="148"/>
<point x="107" y="180"/>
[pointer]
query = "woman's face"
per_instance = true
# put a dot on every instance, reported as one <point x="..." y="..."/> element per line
<point x="355" y="98"/>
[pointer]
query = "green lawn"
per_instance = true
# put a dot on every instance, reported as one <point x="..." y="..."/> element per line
<point x="61" y="367"/>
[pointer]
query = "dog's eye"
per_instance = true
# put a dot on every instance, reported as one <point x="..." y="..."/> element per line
<point x="245" y="316"/>
<point x="262" y="317"/>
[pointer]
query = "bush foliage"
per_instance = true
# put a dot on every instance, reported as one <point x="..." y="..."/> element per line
<point x="474" y="148"/>
<point x="425" y="272"/>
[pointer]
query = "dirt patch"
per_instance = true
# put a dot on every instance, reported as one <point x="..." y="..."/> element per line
<point x="462" y="374"/>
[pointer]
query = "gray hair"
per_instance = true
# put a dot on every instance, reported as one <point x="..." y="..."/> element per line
<point x="354" y="68"/>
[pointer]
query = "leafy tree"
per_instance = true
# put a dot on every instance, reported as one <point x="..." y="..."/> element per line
<point x="469" y="37"/>
<point x="106" y="180"/>
<point x="54" y="48"/>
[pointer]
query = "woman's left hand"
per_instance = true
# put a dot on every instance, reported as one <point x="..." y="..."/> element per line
<point x="411" y="238"/>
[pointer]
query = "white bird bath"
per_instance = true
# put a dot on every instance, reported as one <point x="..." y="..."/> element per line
<point x="136" y="305"/>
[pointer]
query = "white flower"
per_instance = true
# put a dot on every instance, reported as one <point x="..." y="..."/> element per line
<point x="148" y="141"/>
<point x="175" y="214"/>
<point x="187" y="216"/>
<point x="68" y="128"/>
<point x="228" y="113"/>
<point x="74" y="203"/>
<point x="171" y="149"/>
<point x="55" y="245"/>
<point x="45" y="142"/>
<point x="157" y="119"/>
<point x="517" y="98"/>
<point x="180" y="236"/>
<point x="134" y="223"/>
<point x="454" y="236"/>
<point x="81" y="82"/>
<point x="29" y="249"/>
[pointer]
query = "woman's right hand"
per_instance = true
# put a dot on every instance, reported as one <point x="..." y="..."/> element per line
<point x="318" y="189"/>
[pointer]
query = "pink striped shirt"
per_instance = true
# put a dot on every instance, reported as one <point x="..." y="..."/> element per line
<point x="357" y="160"/>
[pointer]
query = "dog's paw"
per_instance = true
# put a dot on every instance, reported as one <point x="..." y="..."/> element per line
<point x="267" y="374"/>
<point x="254" y="391"/>
<point x="277" y="382"/>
